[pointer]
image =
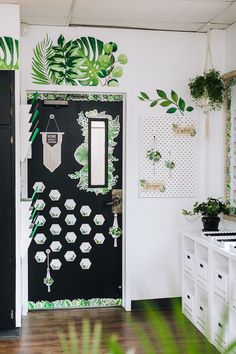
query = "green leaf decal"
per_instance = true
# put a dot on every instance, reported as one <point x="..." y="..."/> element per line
<point x="108" y="48"/>
<point x="181" y="104"/>
<point x="41" y="74"/>
<point x="162" y="94"/>
<point x="154" y="103"/>
<point x="144" y="95"/>
<point x="117" y="72"/>
<point x="189" y="109"/>
<point x="165" y="103"/>
<point x="113" y="83"/>
<point x="122" y="59"/>
<point x="174" y="96"/>
<point x="86" y="61"/>
<point x="172" y="110"/>
<point x="81" y="154"/>
<point x="9" y="53"/>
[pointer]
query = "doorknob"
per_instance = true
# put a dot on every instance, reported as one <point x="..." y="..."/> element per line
<point x="116" y="202"/>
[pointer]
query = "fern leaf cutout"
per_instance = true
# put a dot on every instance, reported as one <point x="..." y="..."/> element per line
<point x="40" y="69"/>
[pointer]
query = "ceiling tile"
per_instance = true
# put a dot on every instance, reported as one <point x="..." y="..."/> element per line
<point x="44" y="21"/>
<point x="112" y="12"/>
<point x="227" y="16"/>
<point x="45" y="8"/>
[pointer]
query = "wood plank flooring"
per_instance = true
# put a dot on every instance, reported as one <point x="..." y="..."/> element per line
<point x="40" y="330"/>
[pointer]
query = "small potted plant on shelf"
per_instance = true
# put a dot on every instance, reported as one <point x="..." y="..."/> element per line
<point x="209" y="211"/>
<point x="208" y="90"/>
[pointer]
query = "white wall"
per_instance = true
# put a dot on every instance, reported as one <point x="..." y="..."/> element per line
<point x="164" y="60"/>
<point x="10" y="26"/>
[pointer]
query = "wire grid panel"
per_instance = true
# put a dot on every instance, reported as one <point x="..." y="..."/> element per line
<point x="182" y="179"/>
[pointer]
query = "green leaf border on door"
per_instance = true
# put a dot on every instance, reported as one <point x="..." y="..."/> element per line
<point x="78" y="303"/>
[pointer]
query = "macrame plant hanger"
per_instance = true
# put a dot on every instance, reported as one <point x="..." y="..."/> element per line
<point x="52" y="146"/>
<point x="208" y="65"/>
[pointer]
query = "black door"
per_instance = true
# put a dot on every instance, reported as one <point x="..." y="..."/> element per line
<point x="75" y="258"/>
<point x="7" y="233"/>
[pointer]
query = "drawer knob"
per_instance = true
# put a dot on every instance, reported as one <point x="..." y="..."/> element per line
<point x="219" y="276"/>
<point x="201" y="265"/>
<point x="188" y="297"/>
<point x="201" y="308"/>
<point x="188" y="256"/>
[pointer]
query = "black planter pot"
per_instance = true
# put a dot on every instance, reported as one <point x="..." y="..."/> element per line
<point x="210" y="223"/>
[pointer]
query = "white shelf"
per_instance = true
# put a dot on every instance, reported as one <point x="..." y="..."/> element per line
<point x="211" y="282"/>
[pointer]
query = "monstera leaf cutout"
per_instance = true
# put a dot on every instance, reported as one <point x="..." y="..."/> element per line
<point x="93" y="62"/>
<point x="9" y="53"/>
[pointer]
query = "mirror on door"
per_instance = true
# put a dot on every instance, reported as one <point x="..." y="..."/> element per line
<point x="98" y="153"/>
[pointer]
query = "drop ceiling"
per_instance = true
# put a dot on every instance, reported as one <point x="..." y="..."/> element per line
<point x="174" y="15"/>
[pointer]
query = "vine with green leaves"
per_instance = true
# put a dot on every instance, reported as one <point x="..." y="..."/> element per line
<point x="85" y="61"/>
<point x="175" y="103"/>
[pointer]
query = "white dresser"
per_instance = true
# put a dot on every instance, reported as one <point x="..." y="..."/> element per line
<point x="209" y="287"/>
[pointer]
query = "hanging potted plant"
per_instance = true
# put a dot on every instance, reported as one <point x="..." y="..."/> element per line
<point x="208" y="90"/>
<point x="209" y="211"/>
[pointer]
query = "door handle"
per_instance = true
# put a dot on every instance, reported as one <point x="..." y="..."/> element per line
<point x="115" y="201"/>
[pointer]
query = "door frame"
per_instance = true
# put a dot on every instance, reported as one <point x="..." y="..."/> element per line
<point x="127" y="126"/>
<point x="13" y="197"/>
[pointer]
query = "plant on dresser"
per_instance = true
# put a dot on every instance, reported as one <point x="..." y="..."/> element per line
<point x="209" y="211"/>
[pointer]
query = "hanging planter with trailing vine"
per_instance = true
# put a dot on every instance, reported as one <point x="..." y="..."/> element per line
<point x="208" y="90"/>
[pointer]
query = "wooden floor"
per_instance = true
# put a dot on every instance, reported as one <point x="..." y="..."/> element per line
<point x="40" y="330"/>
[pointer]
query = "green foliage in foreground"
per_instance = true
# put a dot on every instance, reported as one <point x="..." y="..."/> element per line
<point x="155" y="335"/>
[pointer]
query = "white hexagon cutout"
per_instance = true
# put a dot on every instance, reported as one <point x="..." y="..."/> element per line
<point x="55" y="229"/>
<point x="70" y="204"/>
<point x="56" y="246"/>
<point x="85" y="210"/>
<point x="99" y="238"/>
<point x="40" y="239"/>
<point x="70" y="219"/>
<point x="40" y="257"/>
<point x="55" y="264"/>
<point x="39" y="204"/>
<point x="85" y="247"/>
<point x="99" y="219"/>
<point x="40" y="220"/>
<point x="39" y="187"/>
<point x="85" y="263"/>
<point x="54" y="195"/>
<point x="71" y="237"/>
<point x="55" y="212"/>
<point x="70" y="256"/>
<point x="85" y="229"/>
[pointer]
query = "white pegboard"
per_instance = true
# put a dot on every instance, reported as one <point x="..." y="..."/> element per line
<point x="183" y="150"/>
